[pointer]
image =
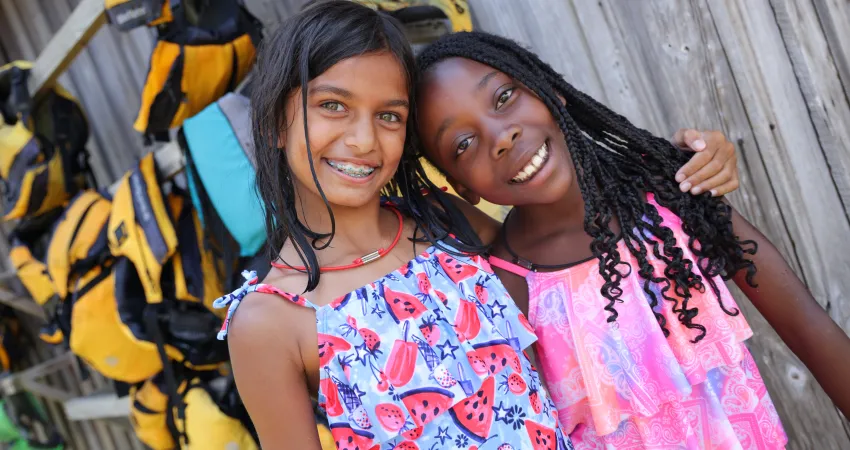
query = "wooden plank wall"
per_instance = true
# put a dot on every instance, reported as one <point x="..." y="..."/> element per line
<point x="772" y="74"/>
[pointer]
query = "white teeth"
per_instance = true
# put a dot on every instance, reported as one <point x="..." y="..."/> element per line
<point x="353" y="170"/>
<point x="533" y="166"/>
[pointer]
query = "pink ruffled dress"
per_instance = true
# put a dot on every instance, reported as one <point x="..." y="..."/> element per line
<point x="624" y="385"/>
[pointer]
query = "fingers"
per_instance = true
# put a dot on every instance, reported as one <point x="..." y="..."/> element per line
<point x="727" y="174"/>
<point x="697" y="162"/>
<point x="725" y="188"/>
<point x="688" y="138"/>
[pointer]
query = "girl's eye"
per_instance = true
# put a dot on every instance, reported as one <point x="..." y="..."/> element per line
<point x="504" y="97"/>
<point x="333" y="106"/>
<point x="463" y="145"/>
<point x="389" y="117"/>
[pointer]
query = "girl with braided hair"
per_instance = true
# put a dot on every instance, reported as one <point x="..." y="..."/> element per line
<point x="620" y="272"/>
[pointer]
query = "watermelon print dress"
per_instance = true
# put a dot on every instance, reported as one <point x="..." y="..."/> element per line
<point x="624" y="385"/>
<point x="431" y="356"/>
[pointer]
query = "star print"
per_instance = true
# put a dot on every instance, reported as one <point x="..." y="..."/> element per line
<point x="501" y="412"/>
<point x="357" y="391"/>
<point x="363" y="353"/>
<point x="439" y="315"/>
<point x="496" y="308"/>
<point x="447" y="349"/>
<point x="443" y="434"/>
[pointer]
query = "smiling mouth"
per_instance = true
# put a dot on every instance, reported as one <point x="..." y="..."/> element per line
<point x="350" y="169"/>
<point x="533" y="167"/>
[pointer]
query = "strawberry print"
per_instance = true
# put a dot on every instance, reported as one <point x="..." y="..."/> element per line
<point x="425" y="358"/>
<point x="481" y="292"/>
<point x="513" y="383"/>
<point x="430" y="331"/>
<point x="390" y="416"/>
<point x="534" y="399"/>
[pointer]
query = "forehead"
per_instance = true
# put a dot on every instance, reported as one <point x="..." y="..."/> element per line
<point x="456" y="74"/>
<point x="374" y="75"/>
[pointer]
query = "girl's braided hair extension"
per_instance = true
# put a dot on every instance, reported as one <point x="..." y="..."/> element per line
<point x="609" y="151"/>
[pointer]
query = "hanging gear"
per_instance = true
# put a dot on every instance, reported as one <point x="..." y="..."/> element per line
<point x="217" y="145"/>
<point x="43" y="159"/>
<point x="410" y="11"/>
<point x="195" y="416"/>
<point x="129" y="14"/>
<point x="204" y="49"/>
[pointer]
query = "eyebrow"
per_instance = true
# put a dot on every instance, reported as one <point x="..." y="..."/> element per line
<point x="346" y="94"/>
<point x="448" y="122"/>
<point x="332" y="89"/>
<point x="486" y="79"/>
<point x="399" y="102"/>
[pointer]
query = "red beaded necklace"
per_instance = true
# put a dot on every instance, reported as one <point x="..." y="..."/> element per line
<point x="361" y="261"/>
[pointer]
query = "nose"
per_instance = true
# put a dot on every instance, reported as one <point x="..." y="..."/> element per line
<point x="362" y="135"/>
<point x="506" y="140"/>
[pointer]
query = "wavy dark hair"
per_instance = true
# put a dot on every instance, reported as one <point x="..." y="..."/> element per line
<point x="302" y="48"/>
<point x="609" y="151"/>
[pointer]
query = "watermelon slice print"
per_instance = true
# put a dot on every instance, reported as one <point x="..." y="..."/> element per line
<point x="424" y="404"/>
<point x="413" y="434"/>
<point x="402" y="305"/>
<point x="542" y="437"/>
<point x="457" y="271"/>
<point x="406" y="445"/>
<point x="475" y="414"/>
<point x="496" y="355"/>
<point x="329" y="346"/>
<point x="347" y="438"/>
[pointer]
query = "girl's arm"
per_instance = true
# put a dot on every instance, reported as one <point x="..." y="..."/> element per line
<point x="270" y="375"/>
<point x="799" y="320"/>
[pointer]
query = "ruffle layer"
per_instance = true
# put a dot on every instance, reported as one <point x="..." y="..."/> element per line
<point x="629" y="386"/>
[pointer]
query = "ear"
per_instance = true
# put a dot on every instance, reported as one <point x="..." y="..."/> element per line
<point x="463" y="191"/>
<point x="281" y="140"/>
<point x="563" y="100"/>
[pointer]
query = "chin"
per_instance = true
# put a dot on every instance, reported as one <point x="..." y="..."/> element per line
<point x="353" y="198"/>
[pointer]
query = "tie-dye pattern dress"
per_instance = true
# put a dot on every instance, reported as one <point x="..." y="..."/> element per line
<point x="430" y="356"/>
<point x="623" y="385"/>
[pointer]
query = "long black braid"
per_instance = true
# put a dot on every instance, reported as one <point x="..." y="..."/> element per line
<point x="608" y="150"/>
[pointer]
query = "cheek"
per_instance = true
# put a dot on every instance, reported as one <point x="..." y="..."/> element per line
<point x="392" y="145"/>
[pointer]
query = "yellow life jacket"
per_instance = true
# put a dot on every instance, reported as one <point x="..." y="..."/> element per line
<point x="202" y="52"/>
<point x="43" y="160"/>
<point x="79" y="262"/>
<point x="457" y="11"/>
<point x="202" y="424"/>
<point x="164" y="290"/>
<point x="32" y="272"/>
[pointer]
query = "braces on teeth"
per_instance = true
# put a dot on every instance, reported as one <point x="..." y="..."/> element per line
<point x="350" y="169"/>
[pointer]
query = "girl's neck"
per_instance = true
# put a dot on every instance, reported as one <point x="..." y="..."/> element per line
<point x="542" y="220"/>
<point x="357" y="231"/>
